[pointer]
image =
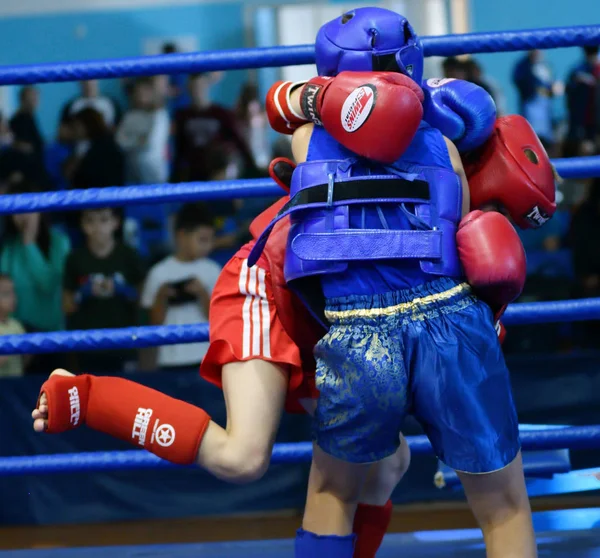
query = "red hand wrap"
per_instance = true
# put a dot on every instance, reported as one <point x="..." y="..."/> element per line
<point x="501" y="331"/>
<point x="281" y="115"/>
<point x="144" y="417"/>
<point x="492" y="257"/>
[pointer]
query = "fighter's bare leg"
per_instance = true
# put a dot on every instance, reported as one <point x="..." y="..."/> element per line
<point x="384" y="476"/>
<point x="334" y="490"/>
<point x="500" y="504"/>
<point x="254" y="393"/>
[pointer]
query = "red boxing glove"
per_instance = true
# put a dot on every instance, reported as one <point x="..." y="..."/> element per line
<point x="501" y="331"/>
<point x="282" y="117"/>
<point x="281" y="170"/>
<point x="374" y="114"/>
<point x="512" y="169"/>
<point x="492" y="257"/>
<point x="144" y="417"/>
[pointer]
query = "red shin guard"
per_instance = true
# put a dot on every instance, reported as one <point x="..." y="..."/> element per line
<point x="144" y="417"/>
<point x="370" y="526"/>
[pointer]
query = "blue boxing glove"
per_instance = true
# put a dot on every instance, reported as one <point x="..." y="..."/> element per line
<point x="123" y="289"/>
<point x="464" y="112"/>
<point x="84" y="292"/>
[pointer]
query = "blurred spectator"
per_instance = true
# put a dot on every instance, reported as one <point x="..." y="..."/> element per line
<point x="33" y="253"/>
<point x="583" y="236"/>
<point x="97" y="160"/>
<point x="57" y="153"/>
<point x="224" y="213"/>
<point x="144" y="136"/>
<point x="201" y="126"/>
<point x="177" y="290"/>
<point x="474" y="74"/>
<point x="533" y="80"/>
<point x="23" y="125"/>
<point x="101" y="283"/>
<point x="17" y="161"/>
<point x="580" y="95"/>
<point x="10" y="365"/>
<point x="454" y="68"/>
<point x="178" y="95"/>
<point x="252" y="117"/>
<point x="90" y="97"/>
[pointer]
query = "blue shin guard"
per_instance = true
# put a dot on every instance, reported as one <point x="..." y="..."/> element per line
<point x="309" y="545"/>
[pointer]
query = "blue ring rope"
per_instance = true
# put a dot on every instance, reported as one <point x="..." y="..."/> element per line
<point x="240" y="59"/>
<point x="575" y="438"/>
<point x="153" y="336"/>
<point x="582" y="167"/>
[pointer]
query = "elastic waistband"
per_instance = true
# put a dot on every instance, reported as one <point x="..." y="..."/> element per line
<point x="443" y="292"/>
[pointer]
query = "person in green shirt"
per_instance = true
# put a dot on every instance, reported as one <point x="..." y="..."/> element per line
<point x="33" y="254"/>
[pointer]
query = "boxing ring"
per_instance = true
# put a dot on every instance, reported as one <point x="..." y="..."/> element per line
<point x="547" y="465"/>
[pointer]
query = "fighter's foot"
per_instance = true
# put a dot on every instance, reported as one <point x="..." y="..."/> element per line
<point x="40" y="413"/>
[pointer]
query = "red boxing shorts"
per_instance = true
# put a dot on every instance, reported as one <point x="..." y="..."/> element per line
<point x="245" y="325"/>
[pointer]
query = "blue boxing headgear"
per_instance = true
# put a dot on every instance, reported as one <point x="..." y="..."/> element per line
<point x="367" y="40"/>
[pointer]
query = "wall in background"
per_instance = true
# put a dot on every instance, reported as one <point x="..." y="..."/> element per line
<point x="37" y="30"/>
<point x="117" y="33"/>
<point x="488" y="15"/>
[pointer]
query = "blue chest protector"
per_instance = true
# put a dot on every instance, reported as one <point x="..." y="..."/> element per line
<point x="362" y="227"/>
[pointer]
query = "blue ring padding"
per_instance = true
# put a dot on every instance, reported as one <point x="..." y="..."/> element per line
<point x="573" y="437"/>
<point x="155" y="336"/>
<point x="538" y="464"/>
<point x="241" y="59"/>
<point x="582" y="167"/>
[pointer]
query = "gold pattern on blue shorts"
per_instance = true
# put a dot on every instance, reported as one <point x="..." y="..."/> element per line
<point x="415" y="309"/>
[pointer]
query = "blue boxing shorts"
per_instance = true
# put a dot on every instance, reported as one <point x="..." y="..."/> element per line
<point x="431" y="351"/>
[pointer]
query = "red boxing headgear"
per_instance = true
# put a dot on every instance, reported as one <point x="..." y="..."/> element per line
<point x="513" y="169"/>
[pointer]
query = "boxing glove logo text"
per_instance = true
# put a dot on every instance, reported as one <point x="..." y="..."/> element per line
<point x="308" y="101"/>
<point x="75" y="406"/>
<point x="537" y="217"/>
<point x="438" y="82"/>
<point x="358" y="107"/>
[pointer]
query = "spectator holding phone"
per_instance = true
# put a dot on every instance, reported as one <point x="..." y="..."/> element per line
<point x="178" y="289"/>
<point x="101" y="283"/>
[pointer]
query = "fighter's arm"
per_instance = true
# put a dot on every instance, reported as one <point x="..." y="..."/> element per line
<point x="300" y="141"/>
<point x="460" y="170"/>
<point x="373" y="114"/>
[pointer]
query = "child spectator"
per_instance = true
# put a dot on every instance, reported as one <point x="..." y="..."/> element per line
<point x="101" y="287"/>
<point x="10" y="365"/>
<point x="144" y="136"/>
<point x="178" y="289"/>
